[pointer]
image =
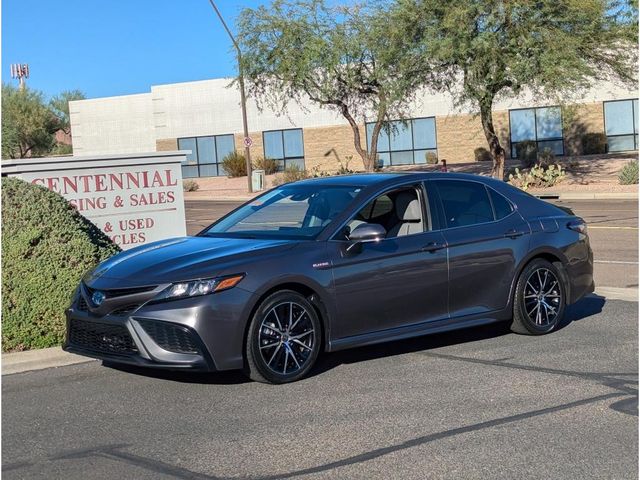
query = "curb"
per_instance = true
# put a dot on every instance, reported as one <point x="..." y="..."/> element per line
<point x="20" y="362"/>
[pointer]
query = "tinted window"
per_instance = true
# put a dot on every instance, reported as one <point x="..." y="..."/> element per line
<point x="285" y="147"/>
<point x="464" y="203"/>
<point x="406" y="143"/>
<point x="289" y="211"/>
<point x="501" y="205"/>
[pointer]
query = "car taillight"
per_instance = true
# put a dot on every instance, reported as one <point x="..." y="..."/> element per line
<point x="579" y="226"/>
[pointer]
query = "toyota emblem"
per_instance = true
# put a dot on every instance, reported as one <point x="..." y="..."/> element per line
<point x="97" y="298"/>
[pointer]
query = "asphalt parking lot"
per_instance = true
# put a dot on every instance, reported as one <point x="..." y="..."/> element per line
<point x="481" y="404"/>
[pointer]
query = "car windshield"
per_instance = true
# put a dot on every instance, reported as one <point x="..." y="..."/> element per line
<point x="287" y="212"/>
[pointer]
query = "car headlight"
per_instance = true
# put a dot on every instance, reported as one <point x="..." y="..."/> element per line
<point x="196" y="288"/>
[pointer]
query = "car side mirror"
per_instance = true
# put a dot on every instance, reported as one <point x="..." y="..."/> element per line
<point x="366" y="233"/>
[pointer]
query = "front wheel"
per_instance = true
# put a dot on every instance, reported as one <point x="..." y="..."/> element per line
<point x="283" y="340"/>
<point x="539" y="300"/>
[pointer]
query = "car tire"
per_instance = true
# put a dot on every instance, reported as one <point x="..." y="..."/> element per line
<point x="283" y="340"/>
<point x="539" y="298"/>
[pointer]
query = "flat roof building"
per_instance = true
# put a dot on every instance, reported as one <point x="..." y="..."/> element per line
<point x="204" y="117"/>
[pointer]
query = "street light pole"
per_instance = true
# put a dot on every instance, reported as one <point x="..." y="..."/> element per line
<point x="243" y="99"/>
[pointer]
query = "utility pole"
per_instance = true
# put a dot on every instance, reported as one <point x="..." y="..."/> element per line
<point x="243" y="101"/>
<point x="20" y="71"/>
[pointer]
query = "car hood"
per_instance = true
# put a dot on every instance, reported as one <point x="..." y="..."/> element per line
<point x="179" y="259"/>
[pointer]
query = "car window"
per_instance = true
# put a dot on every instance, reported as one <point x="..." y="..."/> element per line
<point x="400" y="212"/>
<point x="464" y="203"/>
<point x="289" y="211"/>
<point x="501" y="206"/>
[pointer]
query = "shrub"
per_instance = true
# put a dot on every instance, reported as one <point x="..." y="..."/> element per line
<point x="546" y="157"/>
<point x="538" y="176"/>
<point x="594" y="143"/>
<point x="629" y="173"/>
<point x="46" y="248"/>
<point x="269" y="165"/>
<point x="432" y="158"/>
<point x="482" y="155"/>
<point x="235" y="165"/>
<point x="292" y="173"/>
<point x="527" y="153"/>
<point x="190" y="185"/>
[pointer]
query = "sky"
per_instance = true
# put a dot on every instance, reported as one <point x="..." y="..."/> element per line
<point x="117" y="47"/>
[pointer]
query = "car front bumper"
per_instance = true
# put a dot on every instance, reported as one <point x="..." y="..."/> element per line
<point x="203" y="333"/>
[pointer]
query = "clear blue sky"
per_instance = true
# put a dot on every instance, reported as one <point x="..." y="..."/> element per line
<point x="117" y="47"/>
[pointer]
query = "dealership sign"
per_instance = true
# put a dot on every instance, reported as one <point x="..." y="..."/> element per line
<point x="134" y="199"/>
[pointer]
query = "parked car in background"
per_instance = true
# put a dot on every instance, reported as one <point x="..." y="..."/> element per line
<point x="332" y="263"/>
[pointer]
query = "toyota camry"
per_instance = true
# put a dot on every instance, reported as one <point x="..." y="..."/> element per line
<point x="332" y="263"/>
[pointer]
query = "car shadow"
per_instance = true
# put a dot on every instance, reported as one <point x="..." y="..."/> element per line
<point x="586" y="307"/>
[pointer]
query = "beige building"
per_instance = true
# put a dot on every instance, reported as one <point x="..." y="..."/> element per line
<point x="204" y="117"/>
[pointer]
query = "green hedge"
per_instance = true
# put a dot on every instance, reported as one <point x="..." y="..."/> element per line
<point x="46" y="248"/>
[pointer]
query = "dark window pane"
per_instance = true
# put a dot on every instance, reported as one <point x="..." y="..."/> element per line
<point x="523" y="125"/>
<point x="465" y="203"/>
<point x="424" y="133"/>
<point x="225" y="144"/>
<point x="400" y="135"/>
<point x="556" y="146"/>
<point x="618" y="117"/>
<point x="421" y="156"/>
<point x="189" y="144"/>
<point x="501" y="205"/>
<point x="298" y="162"/>
<point x="273" y="147"/>
<point x="621" y="144"/>
<point x="293" y="143"/>
<point x="549" y="122"/>
<point x="384" y="159"/>
<point x="209" y="170"/>
<point x="636" y="118"/>
<point x="189" y="172"/>
<point x="402" y="158"/>
<point x="206" y="150"/>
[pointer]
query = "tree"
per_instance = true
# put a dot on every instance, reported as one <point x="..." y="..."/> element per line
<point x="347" y="59"/>
<point x="60" y="107"/>
<point x="499" y="48"/>
<point x="28" y="125"/>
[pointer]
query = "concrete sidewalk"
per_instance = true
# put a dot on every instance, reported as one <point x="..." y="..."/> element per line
<point x="20" y="362"/>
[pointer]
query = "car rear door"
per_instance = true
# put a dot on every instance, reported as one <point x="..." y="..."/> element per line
<point x="398" y="281"/>
<point x="486" y="237"/>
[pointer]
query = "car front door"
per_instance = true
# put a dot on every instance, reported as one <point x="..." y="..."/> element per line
<point x="485" y="236"/>
<point x="400" y="280"/>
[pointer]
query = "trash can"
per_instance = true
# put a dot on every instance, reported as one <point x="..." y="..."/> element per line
<point x="257" y="180"/>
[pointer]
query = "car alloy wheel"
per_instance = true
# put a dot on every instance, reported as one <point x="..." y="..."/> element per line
<point x="542" y="297"/>
<point x="287" y="338"/>
<point x="284" y="338"/>
<point x="539" y="301"/>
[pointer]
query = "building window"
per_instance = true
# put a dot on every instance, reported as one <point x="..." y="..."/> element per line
<point x="541" y="125"/>
<point x="405" y="143"/>
<point x="285" y="147"/>
<point x="621" y="125"/>
<point x="206" y="155"/>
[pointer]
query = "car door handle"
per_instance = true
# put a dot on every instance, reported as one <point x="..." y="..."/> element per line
<point x="433" y="246"/>
<point x="513" y="233"/>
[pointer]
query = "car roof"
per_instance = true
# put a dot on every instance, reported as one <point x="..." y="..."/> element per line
<point x="368" y="179"/>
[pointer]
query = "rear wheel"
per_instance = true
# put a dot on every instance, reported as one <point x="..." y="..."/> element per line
<point x="539" y="300"/>
<point x="283" y="340"/>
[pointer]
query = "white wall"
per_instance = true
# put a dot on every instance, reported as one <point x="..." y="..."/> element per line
<point x="113" y="125"/>
<point x="132" y="123"/>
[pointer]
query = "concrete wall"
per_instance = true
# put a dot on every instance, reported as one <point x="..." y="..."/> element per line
<point x="113" y="125"/>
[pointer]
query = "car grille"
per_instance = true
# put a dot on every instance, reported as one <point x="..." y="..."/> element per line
<point x="82" y="304"/>
<point x="101" y="337"/>
<point x="119" y="292"/>
<point x="126" y="310"/>
<point x="168" y="336"/>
